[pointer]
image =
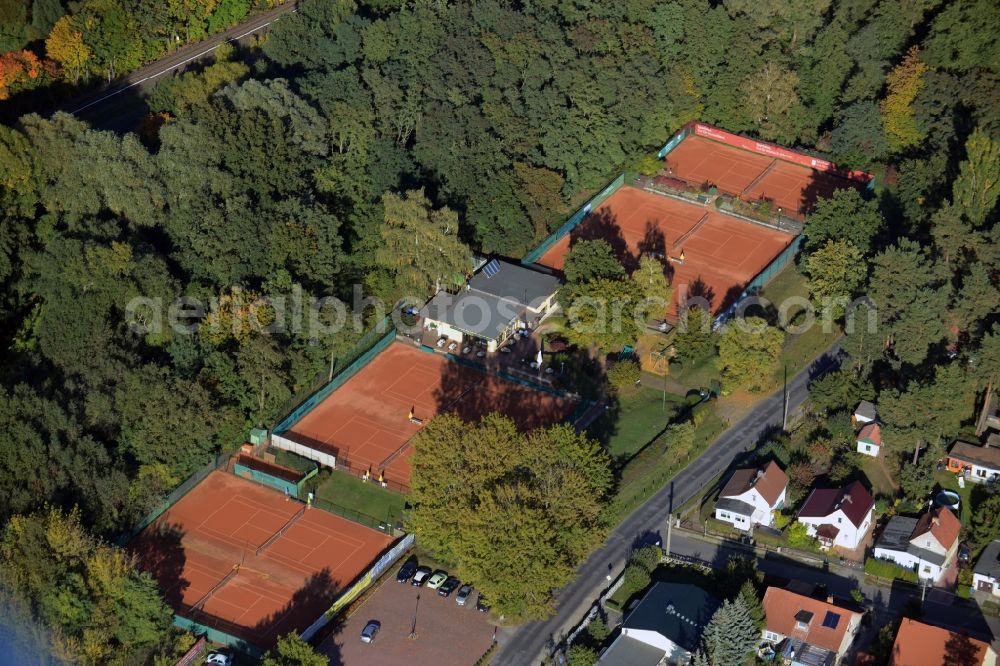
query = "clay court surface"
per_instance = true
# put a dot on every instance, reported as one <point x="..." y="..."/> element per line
<point x="219" y="524"/>
<point x="447" y="634"/>
<point x="751" y="176"/>
<point x="720" y="257"/>
<point x="366" y="421"/>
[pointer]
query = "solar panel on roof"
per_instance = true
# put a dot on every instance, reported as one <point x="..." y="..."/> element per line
<point x="831" y="620"/>
<point x="492" y="268"/>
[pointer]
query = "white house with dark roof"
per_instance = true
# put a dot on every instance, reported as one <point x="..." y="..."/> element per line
<point x="665" y="628"/>
<point x="838" y="517"/>
<point x="927" y="545"/>
<point x="865" y="413"/>
<point x="986" y="573"/>
<point x="976" y="463"/>
<point x="751" y="496"/>
<point x="499" y="299"/>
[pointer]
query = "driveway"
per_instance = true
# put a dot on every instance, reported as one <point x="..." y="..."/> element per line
<point x="446" y="634"/>
<point x="524" y="644"/>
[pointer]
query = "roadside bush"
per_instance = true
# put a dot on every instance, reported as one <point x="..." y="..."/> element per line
<point x="647" y="557"/>
<point x="798" y="537"/>
<point x="889" y="570"/>
<point x="636" y="578"/>
<point x="598" y="630"/>
<point x="581" y="655"/>
<point x="624" y="374"/>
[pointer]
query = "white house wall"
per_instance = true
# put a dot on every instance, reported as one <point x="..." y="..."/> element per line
<point x="849" y="535"/>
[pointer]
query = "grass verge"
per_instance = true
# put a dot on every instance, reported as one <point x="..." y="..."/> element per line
<point x="642" y="414"/>
<point x="647" y="472"/>
<point x="949" y="481"/>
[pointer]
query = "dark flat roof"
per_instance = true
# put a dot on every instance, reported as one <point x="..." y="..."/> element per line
<point x="675" y="610"/>
<point x="523" y="285"/>
<point x="989" y="561"/>
<point x="628" y="651"/>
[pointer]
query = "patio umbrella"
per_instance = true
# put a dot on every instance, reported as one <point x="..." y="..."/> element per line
<point x="538" y="358"/>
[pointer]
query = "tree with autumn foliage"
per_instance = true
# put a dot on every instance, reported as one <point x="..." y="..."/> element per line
<point x="19" y="70"/>
<point x="65" y="46"/>
<point x="904" y="83"/>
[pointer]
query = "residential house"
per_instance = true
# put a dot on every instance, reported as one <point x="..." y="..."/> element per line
<point x="986" y="573"/>
<point x="665" y="628"/>
<point x="976" y="463"/>
<point x="870" y="439"/>
<point x="806" y="631"/>
<point x="919" y="644"/>
<point x="496" y="302"/>
<point x="927" y="545"/>
<point x="838" y="517"/>
<point x="865" y="413"/>
<point x="751" y="496"/>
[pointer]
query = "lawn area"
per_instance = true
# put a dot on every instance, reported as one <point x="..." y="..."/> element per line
<point x="369" y="499"/>
<point x="949" y="481"/>
<point x="881" y="484"/>
<point x="640" y="418"/>
<point x="801" y="349"/>
<point x="698" y="373"/>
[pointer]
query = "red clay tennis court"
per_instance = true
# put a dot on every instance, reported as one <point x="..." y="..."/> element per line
<point x="752" y="176"/>
<point x="366" y="422"/>
<point x="279" y="564"/>
<point x="721" y="253"/>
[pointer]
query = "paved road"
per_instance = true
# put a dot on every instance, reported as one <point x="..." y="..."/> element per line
<point x="525" y="645"/>
<point x="119" y="98"/>
<point x="839" y="581"/>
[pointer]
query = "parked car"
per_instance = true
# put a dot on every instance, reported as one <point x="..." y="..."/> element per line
<point x="370" y="631"/>
<point x="963" y="552"/>
<point x="463" y="595"/>
<point x="448" y="586"/>
<point x="482" y="605"/>
<point x="408" y="569"/>
<point x="219" y="659"/>
<point x="437" y="580"/>
<point x="420" y="576"/>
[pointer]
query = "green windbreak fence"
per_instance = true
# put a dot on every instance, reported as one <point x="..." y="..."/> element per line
<point x="282" y="479"/>
<point x="217" y="636"/>
<point x="180" y="491"/>
<point x="674" y="142"/>
<point x="319" y="396"/>
<point x="576" y="218"/>
<point x="765" y="276"/>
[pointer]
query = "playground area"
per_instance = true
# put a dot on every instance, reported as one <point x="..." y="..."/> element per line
<point x="244" y="559"/>
<point x="709" y="254"/>
<point x="368" y="422"/>
<point x="792" y="189"/>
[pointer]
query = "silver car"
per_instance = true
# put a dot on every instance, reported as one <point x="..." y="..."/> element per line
<point x="463" y="595"/>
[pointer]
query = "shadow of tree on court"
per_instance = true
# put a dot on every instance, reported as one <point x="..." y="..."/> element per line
<point x="653" y="241"/>
<point x="694" y="294"/>
<point x="160" y="552"/>
<point x="305" y="606"/>
<point x="603" y="225"/>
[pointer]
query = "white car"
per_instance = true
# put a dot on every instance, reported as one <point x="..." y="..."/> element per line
<point x="219" y="659"/>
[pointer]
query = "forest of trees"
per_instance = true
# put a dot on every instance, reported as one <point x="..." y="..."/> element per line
<point x="478" y="124"/>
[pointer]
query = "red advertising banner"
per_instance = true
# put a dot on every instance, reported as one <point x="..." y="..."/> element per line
<point x="777" y="152"/>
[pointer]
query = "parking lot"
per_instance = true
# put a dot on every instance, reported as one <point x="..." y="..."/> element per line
<point x="447" y="634"/>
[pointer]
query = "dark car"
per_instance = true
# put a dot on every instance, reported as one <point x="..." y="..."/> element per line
<point x="420" y="576"/>
<point x="963" y="552"/>
<point x="448" y="586"/>
<point x="482" y="605"/>
<point x="408" y="569"/>
<point x="369" y="632"/>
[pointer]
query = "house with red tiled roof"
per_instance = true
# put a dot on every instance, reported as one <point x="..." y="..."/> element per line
<point x="810" y="631"/>
<point x="919" y="644"/>
<point x="926" y="545"/>
<point x="870" y="439"/>
<point x="838" y="517"/>
<point x="751" y="496"/>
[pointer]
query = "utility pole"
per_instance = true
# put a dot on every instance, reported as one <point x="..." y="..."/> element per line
<point x="670" y="531"/>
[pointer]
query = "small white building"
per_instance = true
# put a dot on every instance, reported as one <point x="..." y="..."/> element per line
<point x="870" y="439"/>
<point x="986" y="573"/>
<point x="865" y="413"/>
<point x="838" y="517"/>
<point x="926" y="545"/>
<point x="751" y="496"/>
